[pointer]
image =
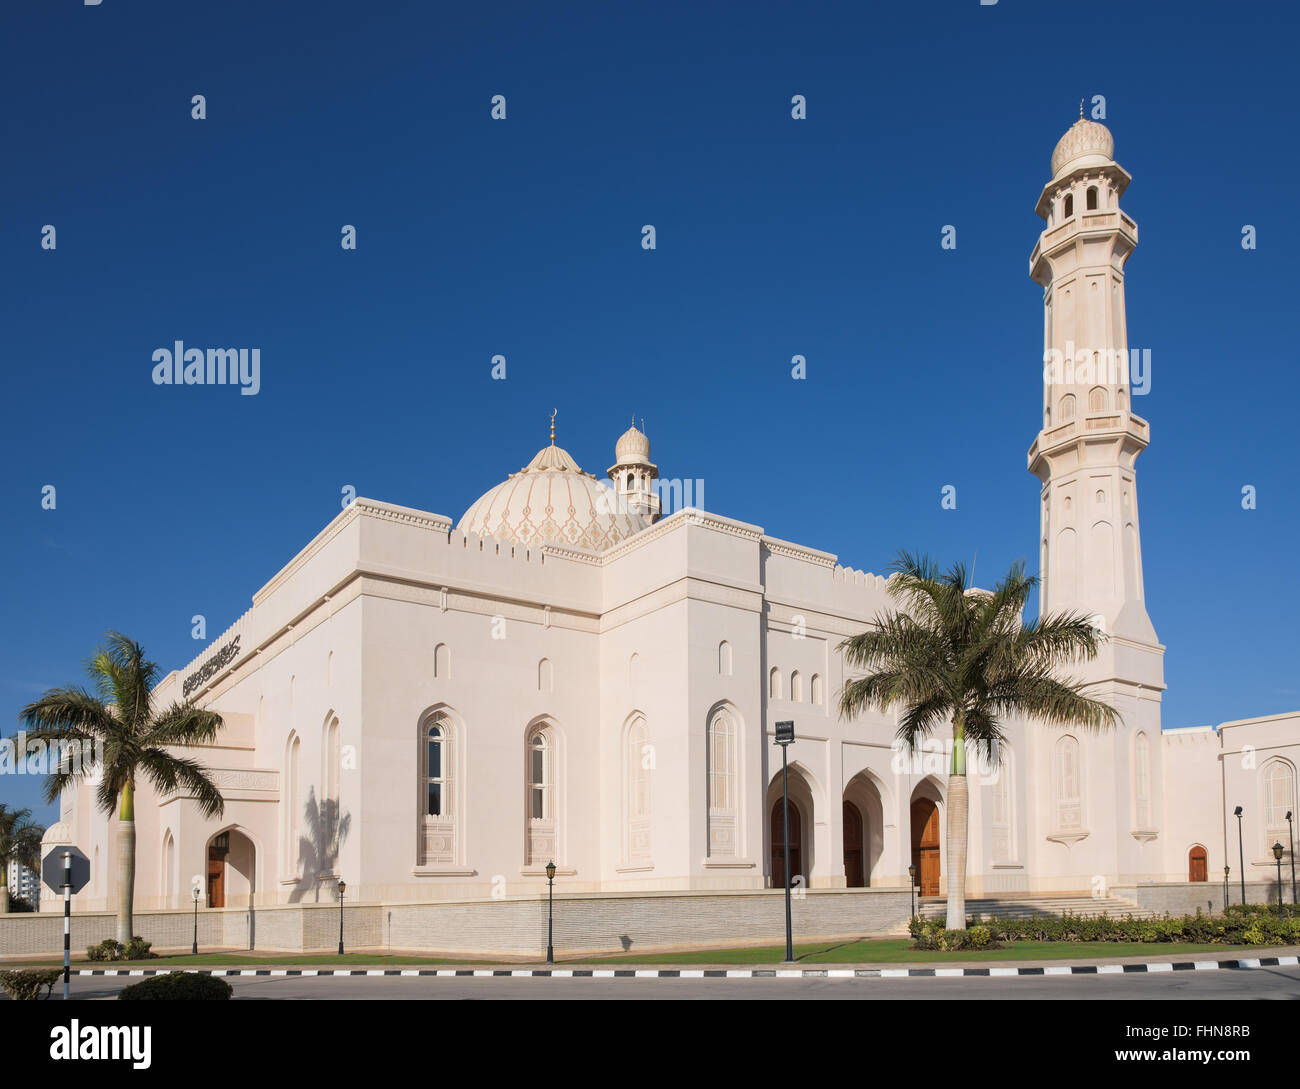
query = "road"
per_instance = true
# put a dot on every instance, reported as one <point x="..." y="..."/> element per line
<point x="1255" y="983"/>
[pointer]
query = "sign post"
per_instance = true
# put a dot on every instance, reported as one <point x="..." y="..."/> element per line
<point x="785" y="738"/>
<point x="65" y="869"/>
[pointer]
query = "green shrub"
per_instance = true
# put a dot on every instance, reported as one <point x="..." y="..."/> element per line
<point x="178" y="987"/>
<point x="25" y="986"/>
<point x="136" y="949"/>
<point x="108" y="949"/>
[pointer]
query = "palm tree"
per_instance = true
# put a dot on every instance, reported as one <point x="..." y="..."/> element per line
<point x="956" y="655"/>
<point x="20" y="841"/>
<point x="135" y="738"/>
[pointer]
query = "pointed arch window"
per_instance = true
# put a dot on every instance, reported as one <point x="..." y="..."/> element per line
<point x="638" y="765"/>
<point x="1142" y="781"/>
<point x="1097" y="399"/>
<point x="540" y="831"/>
<point x="1003" y="806"/>
<point x="1067" y="407"/>
<point x="1278" y="781"/>
<point x="796" y="687"/>
<point x="724" y="659"/>
<point x="723" y="762"/>
<point x="817" y="695"/>
<point x="1067" y="785"/>
<point x="290" y="854"/>
<point x="439" y="827"/>
<point x="1092" y="198"/>
<point x="774" y="684"/>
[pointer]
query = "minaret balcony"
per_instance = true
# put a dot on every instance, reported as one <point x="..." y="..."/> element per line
<point x="1093" y="425"/>
<point x="1081" y="225"/>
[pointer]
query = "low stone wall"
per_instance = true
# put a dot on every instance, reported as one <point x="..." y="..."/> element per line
<point x="1185" y="897"/>
<point x="609" y="923"/>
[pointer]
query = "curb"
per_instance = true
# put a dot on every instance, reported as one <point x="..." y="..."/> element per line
<point x="726" y="973"/>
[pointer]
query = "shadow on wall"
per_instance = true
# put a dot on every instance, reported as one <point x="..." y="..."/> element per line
<point x="319" y="848"/>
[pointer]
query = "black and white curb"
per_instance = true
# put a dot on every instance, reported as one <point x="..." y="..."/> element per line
<point x="725" y="973"/>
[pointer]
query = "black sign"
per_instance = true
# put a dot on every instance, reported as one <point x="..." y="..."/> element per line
<point x="785" y="733"/>
<point x="222" y="658"/>
<point x="53" y="872"/>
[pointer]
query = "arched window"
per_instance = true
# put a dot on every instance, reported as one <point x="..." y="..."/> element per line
<point x="545" y="676"/>
<point x="633" y="670"/>
<point x="630" y="479"/>
<point x="722" y="767"/>
<point x="439" y="843"/>
<point x="441" y="661"/>
<point x="437" y="749"/>
<point x="331" y="754"/>
<point x="724" y="659"/>
<point x="796" y="687"/>
<point x="1003" y="798"/>
<point x="1142" y="781"/>
<point x="1092" y="198"/>
<point x="540" y="841"/>
<point x="1069" y="205"/>
<point x="1097" y="399"/>
<point x="1121" y="400"/>
<point x="1066" y="781"/>
<point x="774" y="684"/>
<point x="817" y="695"/>
<point x="290" y="854"/>
<point x="1067" y="407"/>
<point x="1278" y="780"/>
<point x="168" y="869"/>
<point x="639" y="763"/>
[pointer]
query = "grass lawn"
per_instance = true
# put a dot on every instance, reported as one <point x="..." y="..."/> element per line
<point x="877" y="951"/>
<point x="897" y="951"/>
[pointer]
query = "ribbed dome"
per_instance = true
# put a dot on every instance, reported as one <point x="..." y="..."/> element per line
<point x="632" y="446"/>
<point x="552" y="501"/>
<point x="1085" y="143"/>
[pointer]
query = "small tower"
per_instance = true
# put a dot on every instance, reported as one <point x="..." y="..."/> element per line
<point x="634" y="474"/>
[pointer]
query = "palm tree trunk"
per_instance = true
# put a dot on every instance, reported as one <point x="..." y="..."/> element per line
<point x="126" y="865"/>
<point x="4" y="887"/>
<point x="958" y="829"/>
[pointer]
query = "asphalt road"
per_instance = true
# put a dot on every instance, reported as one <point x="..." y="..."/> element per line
<point x="1247" y="984"/>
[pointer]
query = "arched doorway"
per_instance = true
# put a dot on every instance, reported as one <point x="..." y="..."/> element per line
<point x="778" y="845"/>
<point x="925" y="846"/>
<point x="1198" y="866"/>
<point x="854" y="870"/>
<point x="232" y="861"/>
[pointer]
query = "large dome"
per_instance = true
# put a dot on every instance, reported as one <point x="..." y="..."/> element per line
<point x="1085" y="143"/>
<point x="552" y="501"/>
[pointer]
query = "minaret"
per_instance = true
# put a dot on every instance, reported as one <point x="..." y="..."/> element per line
<point x="1091" y="559"/>
<point x="634" y="474"/>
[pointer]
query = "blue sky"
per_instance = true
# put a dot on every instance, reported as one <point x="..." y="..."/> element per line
<point x="775" y="237"/>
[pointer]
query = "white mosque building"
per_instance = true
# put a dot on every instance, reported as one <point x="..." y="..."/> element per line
<point x="435" y="709"/>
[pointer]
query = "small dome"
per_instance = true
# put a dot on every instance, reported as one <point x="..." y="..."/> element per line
<point x="632" y="445"/>
<point x="552" y="501"/>
<point x="1085" y="143"/>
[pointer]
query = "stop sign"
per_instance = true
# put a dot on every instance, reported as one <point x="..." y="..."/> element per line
<point x="52" y="868"/>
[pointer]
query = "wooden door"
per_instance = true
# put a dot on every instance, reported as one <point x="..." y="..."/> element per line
<point x="1197" y="865"/>
<point x="778" y="846"/>
<point x="925" y="846"/>
<point x="216" y="878"/>
<point x="853" y="865"/>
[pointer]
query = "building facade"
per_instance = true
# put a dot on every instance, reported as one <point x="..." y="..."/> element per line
<point x="434" y="710"/>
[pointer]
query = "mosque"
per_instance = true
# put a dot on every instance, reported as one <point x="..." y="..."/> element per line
<point x="435" y="710"/>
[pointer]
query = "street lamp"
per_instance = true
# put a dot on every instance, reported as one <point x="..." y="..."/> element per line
<point x="1278" y="851"/>
<point x="785" y="738"/>
<point x="195" y="950"/>
<point x="911" y="886"/>
<point x="343" y="888"/>
<point x="1241" y="854"/>
<point x="1225" y="887"/>
<point x="550" y="912"/>
<point x="1290" y="835"/>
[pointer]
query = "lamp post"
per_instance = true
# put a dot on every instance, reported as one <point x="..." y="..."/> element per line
<point x="785" y="738"/>
<point x="1290" y="835"/>
<point x="550" y="912"/>
<point x="343" y="888"/>
<point x="1278" y="851"/>
<point x="911" y="887"/>
<point x="1225" y="887"/>
<point x="195" y="950"/>
<point x="1241" y="854"/>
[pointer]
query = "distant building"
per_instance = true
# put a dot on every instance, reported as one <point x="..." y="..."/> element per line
<point x="24" y="884"/>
